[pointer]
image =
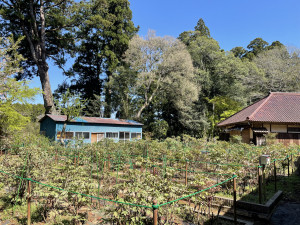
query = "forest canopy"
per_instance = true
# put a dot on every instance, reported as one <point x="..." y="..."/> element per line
<point x="174" y="86"/>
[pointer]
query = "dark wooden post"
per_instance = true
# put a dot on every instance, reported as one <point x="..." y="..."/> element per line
<point x="154" y="170"/>
<point x="234" y="199"/>
<point x="259" y="185"/>
<point x="288" y="159"/>
<point x="108" y="162"/>
<point x="264" y="182"/>
<point x="28" y="202"/>
<point x="292" y="164"/>
<point x="186" y="173"/>
<point x="155" y="212"/>
<point x="275" y="178"/>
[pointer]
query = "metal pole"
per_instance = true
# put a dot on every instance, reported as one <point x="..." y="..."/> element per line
<point x="259" y="185"/>
<point x="28" y="202"/>
<point x="186" y="173"/>
<point x="275" y="178"/>
<point x="234" y="199"/>
<point x="155" y="212"/>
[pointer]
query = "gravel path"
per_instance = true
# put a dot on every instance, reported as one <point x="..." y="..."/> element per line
<point x="287" y="213"/>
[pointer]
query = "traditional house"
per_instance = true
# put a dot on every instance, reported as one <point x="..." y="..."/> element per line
<point x="90" y="129"/>
<point x="277" y="113"/>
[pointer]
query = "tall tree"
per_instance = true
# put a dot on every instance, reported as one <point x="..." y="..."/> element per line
<point x="45" y="27"/>
<point x="202" y="28"/>
<point x="239" y="52"/>
<point x="164" y="71"/>
<point x="282" y="70"/>
<point x="257" y="45"/>
<point x="103" y="38"/>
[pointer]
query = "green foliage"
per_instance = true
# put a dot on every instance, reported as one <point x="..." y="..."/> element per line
<point x="70" y="105"/>
<point x="129" y="177"/>
<point x="237" y="139"/>
<point x="159" y="129"/>
<point x="104" y="32"/>
<point x="46" y="26"/>
<point x="257" y="45"/>
<point x="12" y="91"/>
<point x="202" y="28"/>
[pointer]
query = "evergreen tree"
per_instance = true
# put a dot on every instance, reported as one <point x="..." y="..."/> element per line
<point x="202" y="28"/>
<point x="104" y="36"/>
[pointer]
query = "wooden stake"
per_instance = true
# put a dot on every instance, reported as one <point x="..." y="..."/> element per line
<point x="275" y="178"/>
<point x="28" y="202"/>
<point x="155" y="213"/>
<point x="186" y="173"/>
<point x="234" y="200"/>
<point x="288" y="159"/>
<point x="259" y="185"/>
<point x="292" y="164"/>
<point x="264" y="183"/>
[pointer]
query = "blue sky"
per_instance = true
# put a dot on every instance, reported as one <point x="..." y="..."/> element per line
<point x="232" y="23"/>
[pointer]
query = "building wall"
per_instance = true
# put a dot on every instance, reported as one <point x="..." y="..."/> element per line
<point x="278" y="128"/>
<point x="96" y="128"/>
<point x="47" y="127"/>
<point x="283" y="135"/>
<point x="246" y="135"/>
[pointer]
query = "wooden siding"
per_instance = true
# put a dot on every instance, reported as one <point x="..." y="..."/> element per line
<point x="246" y="135"/>
<point x="287" y="139"/>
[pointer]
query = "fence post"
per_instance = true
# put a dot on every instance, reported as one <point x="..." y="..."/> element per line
<point x="292" y="163"/>
<point x="264" y="182"/>
<point x="154" y="170"/>
<point x="108" y="162"/>
<point x="28" y="202"/>
<point x="234" y="199"/>
<point x="155" y="212"/>
<point x="275" y="178"/>
<point x="288" y="159"/>
<point x="186" y="173"/>
<point x="259" y="185"/>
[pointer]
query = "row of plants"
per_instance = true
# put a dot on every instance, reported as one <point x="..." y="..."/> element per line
<point x="123" y="172"/>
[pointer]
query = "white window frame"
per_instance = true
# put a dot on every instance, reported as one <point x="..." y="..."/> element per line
<point x="115" y="135"/>
<point x="124" y="139"/>
<point x="136" y="134"/>
<point x="82" y="137"/>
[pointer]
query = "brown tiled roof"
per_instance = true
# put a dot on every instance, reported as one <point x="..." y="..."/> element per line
<point x="278" y="107"/>
<point x="63" y="118"/>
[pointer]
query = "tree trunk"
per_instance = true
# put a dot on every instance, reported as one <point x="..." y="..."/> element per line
<point x="47" y="93"/>
<point x="107" y="108"/>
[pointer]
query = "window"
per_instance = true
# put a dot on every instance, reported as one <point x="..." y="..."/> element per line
<point x="293" y="129"/>
<point x="111" y="135"/>
<point x="82" y="135"/>
<point x="124" y="135"/>
<point x="68" y="135"/>
<point x="136" y="135"/>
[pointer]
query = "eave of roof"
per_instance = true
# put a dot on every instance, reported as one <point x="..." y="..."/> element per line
<point x="277" y="107"/>
<point x="96" y="120"/>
